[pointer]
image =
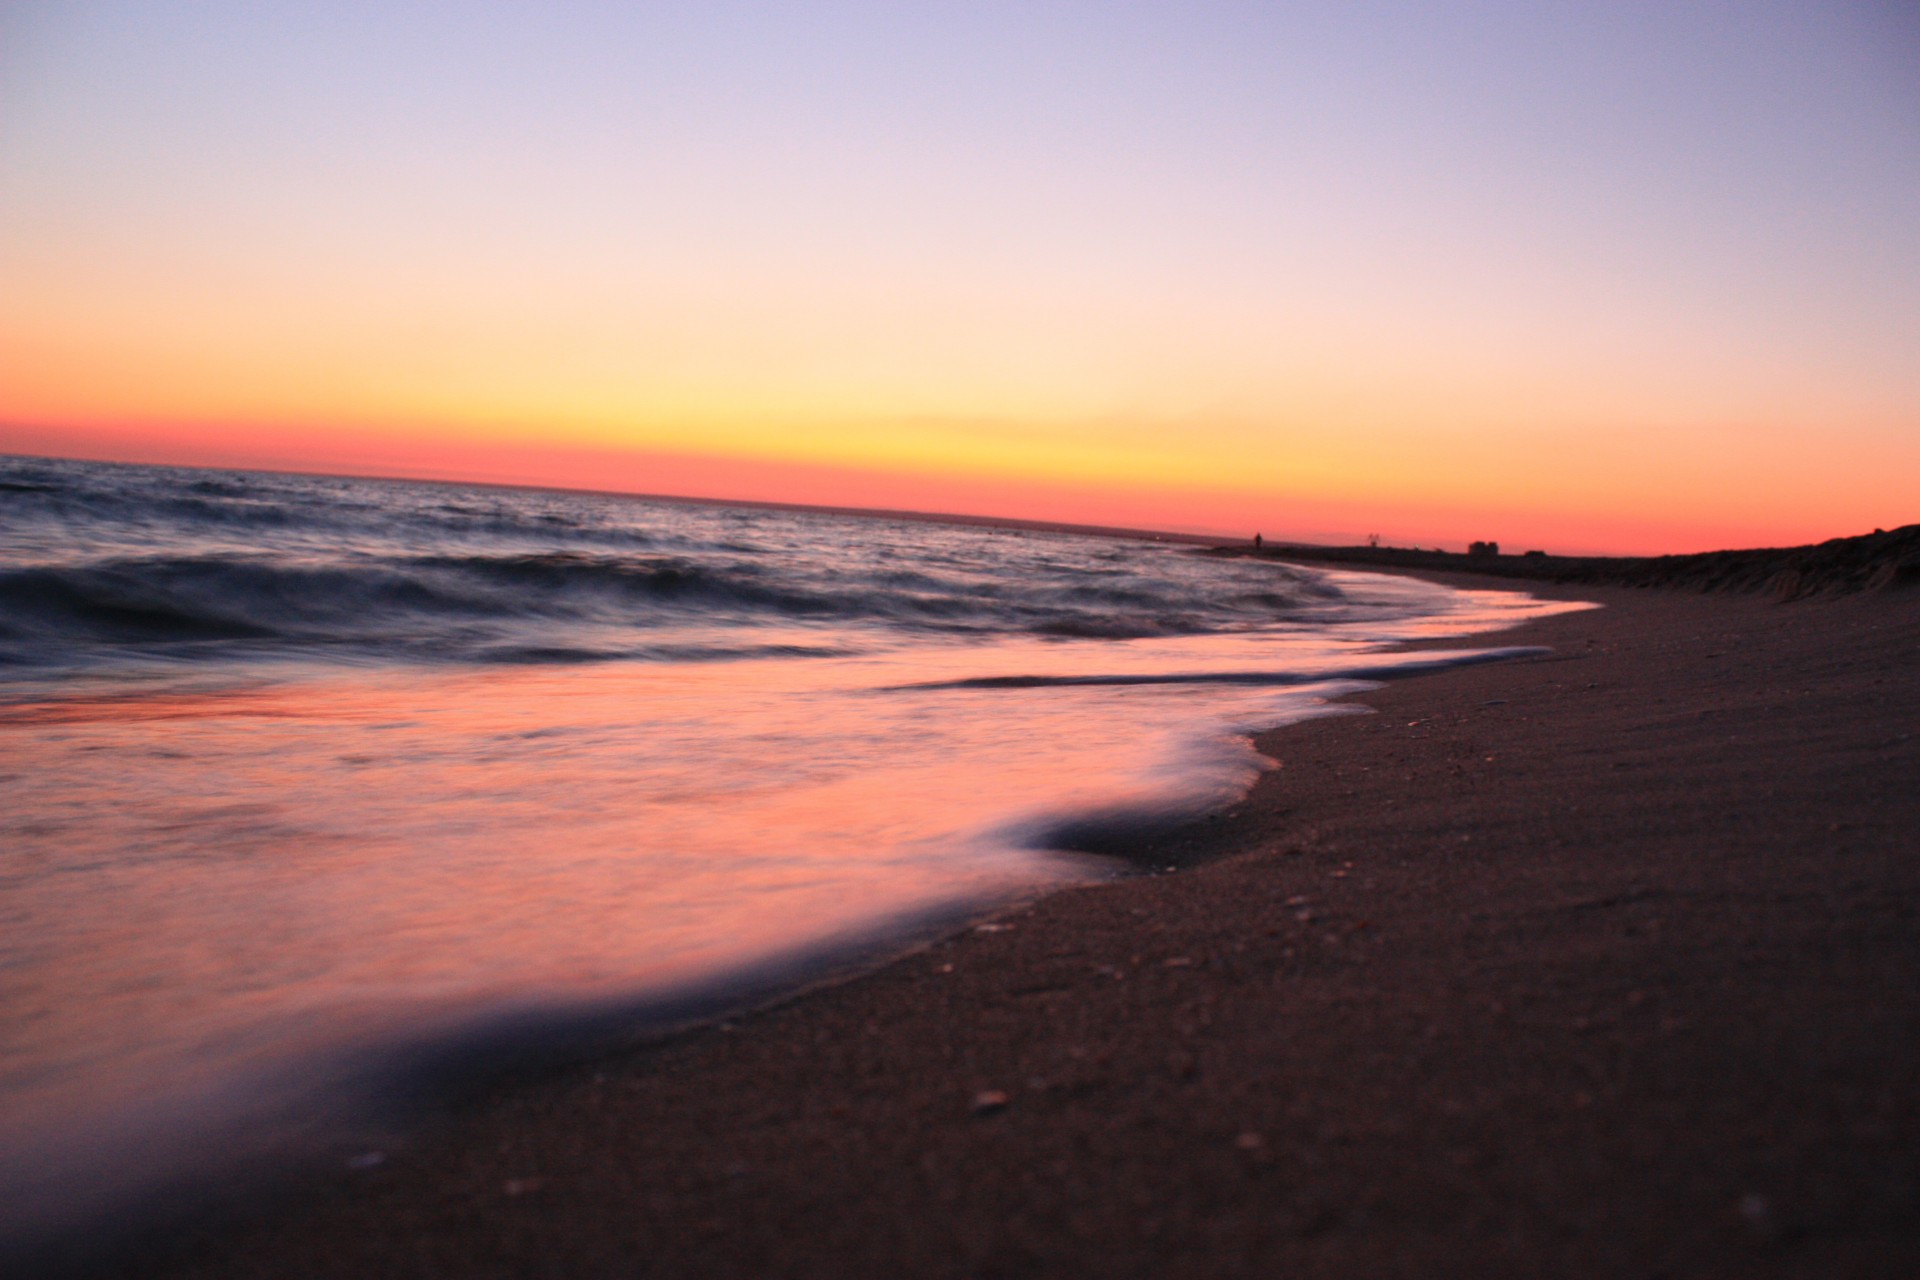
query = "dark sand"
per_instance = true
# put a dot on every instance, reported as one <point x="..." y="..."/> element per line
<point x="1604" y="963"/>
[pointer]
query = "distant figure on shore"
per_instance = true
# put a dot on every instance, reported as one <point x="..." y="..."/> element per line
<point x="1256" y="541"/>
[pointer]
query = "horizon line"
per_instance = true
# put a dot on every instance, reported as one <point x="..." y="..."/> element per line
<point x="956" y="518"/>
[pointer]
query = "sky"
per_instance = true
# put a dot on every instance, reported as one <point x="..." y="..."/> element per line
<point x="1587" y="277"/>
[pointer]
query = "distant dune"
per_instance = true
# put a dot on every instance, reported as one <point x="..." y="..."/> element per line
<point x="1870" y="562"/>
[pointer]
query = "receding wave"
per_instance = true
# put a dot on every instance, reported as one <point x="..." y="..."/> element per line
<point x="1279" y="679"/>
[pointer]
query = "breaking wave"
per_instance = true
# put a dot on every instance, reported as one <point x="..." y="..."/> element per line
<point x="104" y="565"/>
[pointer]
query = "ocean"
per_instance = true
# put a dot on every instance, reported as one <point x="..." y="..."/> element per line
<point x="316" y="789"/>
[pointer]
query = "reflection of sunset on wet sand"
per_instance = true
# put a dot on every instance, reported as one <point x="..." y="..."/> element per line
<point x="382" y="846"/>
<point x="307" y="773"/>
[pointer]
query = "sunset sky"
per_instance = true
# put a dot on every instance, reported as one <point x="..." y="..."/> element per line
<point x="1611" y="276"/>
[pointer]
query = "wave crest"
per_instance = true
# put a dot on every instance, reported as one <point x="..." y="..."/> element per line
<point x="102" y="563"/>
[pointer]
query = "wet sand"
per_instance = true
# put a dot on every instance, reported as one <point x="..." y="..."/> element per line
<point x="1601" y="963"/>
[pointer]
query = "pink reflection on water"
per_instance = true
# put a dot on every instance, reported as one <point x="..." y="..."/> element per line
<point x="197" y="878"/>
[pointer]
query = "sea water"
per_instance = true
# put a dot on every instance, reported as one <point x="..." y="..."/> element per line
<point x="309" y="784"/>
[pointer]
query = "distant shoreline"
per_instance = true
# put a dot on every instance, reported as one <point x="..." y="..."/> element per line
<point x="1881" y="560"/>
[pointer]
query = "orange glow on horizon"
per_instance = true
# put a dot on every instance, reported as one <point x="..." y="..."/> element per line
<point x="1223" y="267"/>
<point x="1328" y="508"/>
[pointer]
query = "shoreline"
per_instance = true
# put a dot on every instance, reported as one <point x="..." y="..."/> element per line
<point x="1512" y="1015"/>
<point x="1878" y="561"/>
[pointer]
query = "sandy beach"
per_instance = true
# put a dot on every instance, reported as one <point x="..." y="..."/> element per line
<point x="1599" y="963"/>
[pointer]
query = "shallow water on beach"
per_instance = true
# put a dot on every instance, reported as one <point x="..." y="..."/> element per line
<point x="304" y="773"/>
